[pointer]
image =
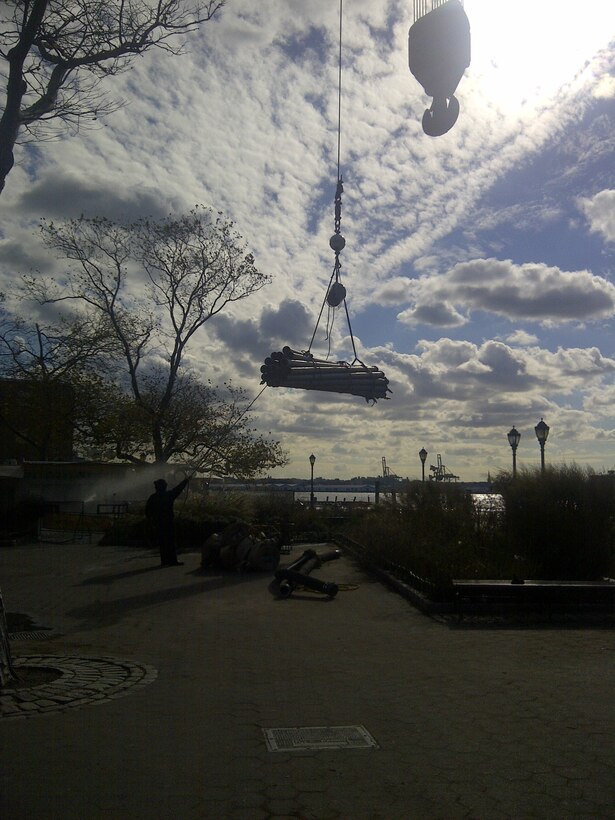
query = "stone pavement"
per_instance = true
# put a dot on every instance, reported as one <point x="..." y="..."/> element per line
<point x="190" y="672"/>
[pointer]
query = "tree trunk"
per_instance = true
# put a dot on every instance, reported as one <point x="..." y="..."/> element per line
<point x="16" y="88"/>
<point x="9" y="124"/>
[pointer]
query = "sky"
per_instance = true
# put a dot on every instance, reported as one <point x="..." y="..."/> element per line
<point x="479" y="265"/>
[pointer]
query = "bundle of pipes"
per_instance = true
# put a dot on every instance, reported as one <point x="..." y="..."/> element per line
<point x="291" y="368"/>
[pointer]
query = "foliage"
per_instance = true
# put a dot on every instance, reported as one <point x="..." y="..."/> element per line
<point x="142" y="292"/>
<point x="206" y="425"/>
<point x="559" y="525"/>
<point x="218" y="505"/>
<point x="47" y="353"/>
<point x="196" y="518"/>
<point x="434" y="532"/>
<point x="57" y="52"/>
<point x="561" y="521"/>
<point x="189" y="268"/>
<point x="57" y="372"/>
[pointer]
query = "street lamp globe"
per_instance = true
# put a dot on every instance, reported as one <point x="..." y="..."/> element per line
<point x="542" y="433"/>
<point x="514" y="437"/>
<point x="423" y="456"/>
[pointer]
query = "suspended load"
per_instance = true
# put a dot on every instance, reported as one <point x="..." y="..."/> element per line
<point x="292" y="368"/>
<point x="438" y="54"/>
<point x="300" y="369"/>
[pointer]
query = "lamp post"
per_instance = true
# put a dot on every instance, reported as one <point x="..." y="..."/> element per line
<point x="514" y="437"/>
<point x="542" y="433"/>
<point x="423" y="456"/>
<point x="312" y="460"/>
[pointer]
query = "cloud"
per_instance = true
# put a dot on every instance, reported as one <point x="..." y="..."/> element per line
<point x="18" y="258"/>
<point x="600" y="401"/>
<point x="476" y="375"/>
<point x="287" y="324"/>
<point x="600" y="213"/>
<point x="605" y="88"/>
<point x="62" y="195"/>
<point x="531" y="291"/>
<point x="439" y="314"/>
<point x="521" y="339"/>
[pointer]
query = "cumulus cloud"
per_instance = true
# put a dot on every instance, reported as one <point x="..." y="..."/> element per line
<point x="531" y="291"/>
<point x="600" y="401"/>
<point x="286" y="324"/>
<point x="460" y="381"/>
<point x="600" y="213"/>
<point x="520" y="338"/>
<point x="439" y="314"/>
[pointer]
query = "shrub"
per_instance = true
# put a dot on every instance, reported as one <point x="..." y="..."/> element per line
<point x="436" y="532"/>
<point x="561" y="521"/>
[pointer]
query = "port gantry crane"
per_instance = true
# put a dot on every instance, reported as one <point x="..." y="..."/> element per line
<point x="441" y="473"/>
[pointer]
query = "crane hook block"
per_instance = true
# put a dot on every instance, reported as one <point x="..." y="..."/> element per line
<point x="336" y="294"/>
<point x="438" y="54"/>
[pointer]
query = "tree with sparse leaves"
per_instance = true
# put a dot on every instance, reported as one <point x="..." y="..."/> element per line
<point x="152" y="285"/>
<point x="203" y="426"/>
<point x="56" y="53"/>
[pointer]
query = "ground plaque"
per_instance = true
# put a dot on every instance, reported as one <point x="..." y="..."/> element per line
<point x="310" y="738"/>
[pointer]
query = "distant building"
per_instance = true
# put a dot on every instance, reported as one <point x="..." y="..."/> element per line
<point x="36" y="421"/>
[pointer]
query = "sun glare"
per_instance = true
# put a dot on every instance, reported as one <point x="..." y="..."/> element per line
<point x="524" y="52"/>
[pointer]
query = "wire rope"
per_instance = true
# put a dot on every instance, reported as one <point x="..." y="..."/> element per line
<point x="338" y="205"/>
<point x="339" y="97"/>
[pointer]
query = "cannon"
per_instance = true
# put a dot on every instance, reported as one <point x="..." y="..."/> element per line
<point x="298" y="574"/>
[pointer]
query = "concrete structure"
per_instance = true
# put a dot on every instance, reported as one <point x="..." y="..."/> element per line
<point x="35" y="420"/>
<point x="176" y="683"/>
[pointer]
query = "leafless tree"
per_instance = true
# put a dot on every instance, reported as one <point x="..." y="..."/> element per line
<point x="57" y="52"/>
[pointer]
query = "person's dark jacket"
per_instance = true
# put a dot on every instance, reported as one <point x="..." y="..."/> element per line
<point x="159" y="507"/>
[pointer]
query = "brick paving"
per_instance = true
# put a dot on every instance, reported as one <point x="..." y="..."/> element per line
<point x="82" y="681"/>
<point x="470" y="720"/>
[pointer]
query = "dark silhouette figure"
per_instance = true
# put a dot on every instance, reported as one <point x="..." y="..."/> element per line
<point x="438" y="54"/>
<point x="161" y="519"/>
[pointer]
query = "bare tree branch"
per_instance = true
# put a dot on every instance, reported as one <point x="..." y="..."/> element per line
<point x="188" y="268"/>
<point x="57" y="51"/>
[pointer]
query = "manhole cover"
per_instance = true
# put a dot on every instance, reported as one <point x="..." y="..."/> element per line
<point x="294" y="739"/>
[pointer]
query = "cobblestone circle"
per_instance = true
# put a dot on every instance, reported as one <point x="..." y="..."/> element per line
<point x="84" y="681"/>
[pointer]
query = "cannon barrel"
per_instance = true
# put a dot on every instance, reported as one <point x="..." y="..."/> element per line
<point x="298" y="574"/>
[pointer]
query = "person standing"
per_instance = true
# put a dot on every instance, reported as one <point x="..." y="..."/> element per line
<point x="161" y="519"/>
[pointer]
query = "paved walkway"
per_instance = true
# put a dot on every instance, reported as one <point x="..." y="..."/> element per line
<point x="469" y="722"/>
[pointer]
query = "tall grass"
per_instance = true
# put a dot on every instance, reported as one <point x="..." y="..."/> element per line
<point x="435" y="532"/>
<point x="559" y="525"/>
<point x="562" y="522"/>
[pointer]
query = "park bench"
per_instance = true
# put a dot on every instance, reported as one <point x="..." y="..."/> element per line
<point x="545" y="597"/>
